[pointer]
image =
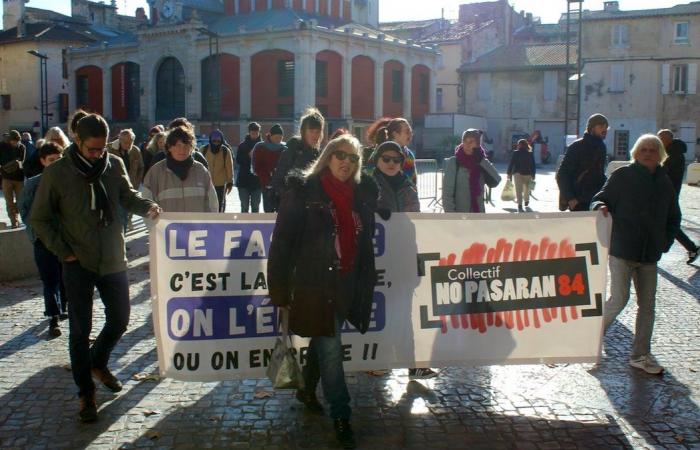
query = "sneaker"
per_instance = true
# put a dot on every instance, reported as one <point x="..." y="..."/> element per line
<point x="520" y="208"/>
<point x="344" y="434"/>
<point x="54" y="329"/>
<point x="692" y="256"/>
<point x="647" y="364"/>
<point x="88" y="408"/>
<point x="422" y="373"/>
<point x="308" y="398"/>
<point x="105" y="377"/>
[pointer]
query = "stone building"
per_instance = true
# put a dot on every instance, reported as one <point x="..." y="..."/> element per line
<point x="275" y="58"/>
<point x="641" y="71"/>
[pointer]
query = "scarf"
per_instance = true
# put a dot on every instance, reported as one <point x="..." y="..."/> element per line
<point x="342" y="196"/>
<point x="92" y="173"/>
<point x="179" y="168"/>
<point x="470" y="163"/>
<point x="394" y="182"/>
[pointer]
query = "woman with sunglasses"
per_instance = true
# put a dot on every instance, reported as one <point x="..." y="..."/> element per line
<point x="321" y="267"/>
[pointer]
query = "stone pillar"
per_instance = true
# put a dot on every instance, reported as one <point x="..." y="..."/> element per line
<point x="72" y="85"/>
<point x="246" y="86"/>
<point x="378" y="87"/>
<point x="192" y="65"/>
<point x="432" y="94"/>
<point x="106" y="89"/>
<point x="148" y="91"/>
<point x="347" y="87"/>
<point x="304" y="76"/>
<point x="407" y="91"/>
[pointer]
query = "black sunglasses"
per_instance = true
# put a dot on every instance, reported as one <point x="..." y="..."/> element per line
<point x="395" y="159"/>
<point x="341" y="155"/>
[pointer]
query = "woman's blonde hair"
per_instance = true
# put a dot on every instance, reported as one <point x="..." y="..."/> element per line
<point x="153" y="143"/>
<point x="648" y="139"/>
<point x="336" y="144"/>
<point x="57" y="136"/>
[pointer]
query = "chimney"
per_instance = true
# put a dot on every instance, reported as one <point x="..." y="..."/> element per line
<point x="79" y="8"/>
<point x="611" y="6"/>
<point x="13" y="14"/>
<point x="141" y="15"/>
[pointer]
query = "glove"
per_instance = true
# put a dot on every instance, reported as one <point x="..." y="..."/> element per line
<point x="477" y="154"/>
<point x="384" y="213"/>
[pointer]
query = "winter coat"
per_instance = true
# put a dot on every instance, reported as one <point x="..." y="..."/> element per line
<point x="24" y="204"/>
<point x="455" y="185"/>
<point x="266" y="155"/>
<point x="675" y="163"/>
<point x="246" y="178"/>
<point x="522" y="162"/>
<point x="196" y="154"/>
<point x="645" y="212"/>
<point x="134" y="164"/>
<point x="403" y="199"/>
<point x="193" y="194"/>
<point x="220" y="165"/>
<point x="582" y="171"/>
<point x="64" y="196"/>
<point x="8" y="154"/>
<point x="303" y="266"/>
<point x="297" y="156"/>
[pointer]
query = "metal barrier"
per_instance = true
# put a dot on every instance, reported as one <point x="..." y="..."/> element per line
<point x="428" y="174"/>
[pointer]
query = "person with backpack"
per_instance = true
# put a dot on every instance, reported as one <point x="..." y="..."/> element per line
<point x="466" y="174"/>
<point x="220" y="159"/>
<point x="265" y="157"/>
<point x="247" y="182"/>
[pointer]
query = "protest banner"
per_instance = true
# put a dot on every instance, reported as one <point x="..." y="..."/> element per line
<point x="453" y="289"/>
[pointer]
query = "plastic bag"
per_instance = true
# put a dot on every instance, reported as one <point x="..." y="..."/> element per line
<point x="508" y="194"/>
<point x="532" y="184"/>
<point x="284" y="370"/>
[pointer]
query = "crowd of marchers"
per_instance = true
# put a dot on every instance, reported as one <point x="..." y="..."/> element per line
<point x="77" y="194"/>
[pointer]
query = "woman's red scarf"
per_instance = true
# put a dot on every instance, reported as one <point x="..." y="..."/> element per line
<point x="342" y="195"/>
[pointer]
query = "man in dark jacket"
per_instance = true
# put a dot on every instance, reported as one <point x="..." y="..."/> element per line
<point x="675" y="166"/>
<point x="582" y="171"/>
<point x="74" y="214"/>
<point x="646" y="219"/>
<point x="247" y="183"/>
<point x="12" y="157"/>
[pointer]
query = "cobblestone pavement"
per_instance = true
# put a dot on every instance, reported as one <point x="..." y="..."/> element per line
<point x="524" y="407"/>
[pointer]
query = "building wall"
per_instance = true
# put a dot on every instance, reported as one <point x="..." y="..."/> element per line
<point x="266" y="96"/>
<point x="392" y="108"/>
<point x="332" y="101"/>
<point x="447" y="76"/>
<point x="363" y="69"/>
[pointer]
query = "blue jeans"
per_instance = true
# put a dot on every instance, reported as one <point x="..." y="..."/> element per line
<point x="50" y="274"/>
<point x="249" y="198"/>
<point x="325" y="362"/>
<point x="80" y="287"/>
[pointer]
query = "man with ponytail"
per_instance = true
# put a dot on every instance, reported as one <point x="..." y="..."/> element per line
<point x="74" y="215"/>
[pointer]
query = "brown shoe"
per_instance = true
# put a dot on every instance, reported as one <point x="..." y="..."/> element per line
<point x="106" y="378"/>
<point x="88" y="408"/>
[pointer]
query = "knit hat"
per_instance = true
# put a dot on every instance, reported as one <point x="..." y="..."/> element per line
<point x="216" y="135"/>
<point x="386" y="147"/>
<point x="276" y="129"/>
<point x="595" y="120"/>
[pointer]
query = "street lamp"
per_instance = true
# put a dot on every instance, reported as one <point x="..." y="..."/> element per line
<point x="577" y="76"/>
<point x="44" y="89"/>
<point x="214" y="45"/>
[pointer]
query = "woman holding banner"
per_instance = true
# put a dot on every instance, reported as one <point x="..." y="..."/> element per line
<point x="321" y="267"/>
<point x="465" y="175"/>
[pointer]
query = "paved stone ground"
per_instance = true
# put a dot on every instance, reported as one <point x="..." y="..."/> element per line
<point x="523" y="407"/>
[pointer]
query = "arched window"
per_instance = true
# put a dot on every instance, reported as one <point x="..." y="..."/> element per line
<point x="170" y="90"/>
<point x="222" y="102"/>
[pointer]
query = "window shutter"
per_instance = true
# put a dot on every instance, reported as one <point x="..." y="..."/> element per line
<point x="617" y="78"/>
<point x="692" y="78"/>
<point x="665" y="78"/>
<point x="550" y="85"/>
<point x="484" y="87"/>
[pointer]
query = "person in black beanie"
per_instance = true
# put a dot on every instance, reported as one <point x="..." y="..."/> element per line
<point x="247" y="183"/>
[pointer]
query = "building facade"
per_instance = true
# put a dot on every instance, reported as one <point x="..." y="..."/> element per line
<point x="275" y="58"/>
<point x="641" y="72"/>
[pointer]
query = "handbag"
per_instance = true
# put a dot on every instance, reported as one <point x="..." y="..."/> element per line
<point x="508" y="194"/>
<point x="532" y="185"/>
<point x="284" y="370"/>
<point x="11" y="167"/>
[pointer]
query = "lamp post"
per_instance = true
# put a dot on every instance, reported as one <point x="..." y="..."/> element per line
<point x="44" y="89"/>
<point x="578" y="74"/>
<point x="214" y="51"/>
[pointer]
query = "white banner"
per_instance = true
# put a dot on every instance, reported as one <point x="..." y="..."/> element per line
<point x="453" y="289"/>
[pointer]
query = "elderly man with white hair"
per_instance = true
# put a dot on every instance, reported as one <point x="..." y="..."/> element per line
<point x="646" y="217"/>
<point x="124" y="148"/>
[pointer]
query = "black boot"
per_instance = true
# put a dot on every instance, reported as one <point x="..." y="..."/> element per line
<point x="308" y="398"/>
<point x="344" y="434"/>
<point x="54" y="329"/>
<point x="88" y="408"/>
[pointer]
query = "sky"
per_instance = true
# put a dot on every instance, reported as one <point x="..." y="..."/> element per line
<point x="396" y="10"/>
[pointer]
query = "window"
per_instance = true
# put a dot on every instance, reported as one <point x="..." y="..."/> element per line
<point x="681" y="35"/>
<point x="622" y="143"/>
<point x="321" y="79"/>
<point x="484" y="93"/>
<point x="620" y="35"/>
<point x="285" y="78"/>
<point x="170" y="90"/>
<point x="551" y="86"/>
<point x="285" y="110"/>
<point x="680" y="79"/>
<point x="396" y="86"/>
<point x="438" y="99"/>
<point x="423" y="87"/>
<point x="617" y="78"/>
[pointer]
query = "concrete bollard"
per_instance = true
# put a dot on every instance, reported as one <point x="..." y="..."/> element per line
<point x="693" y="174"/>
<point x="16" y="255"/>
